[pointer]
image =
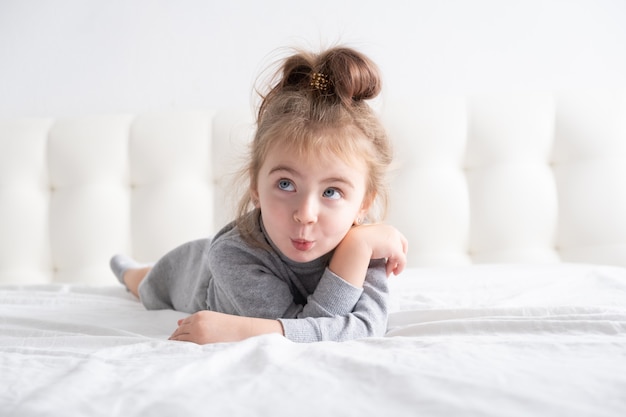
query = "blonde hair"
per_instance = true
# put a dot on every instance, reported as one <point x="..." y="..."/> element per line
<point x="300" y="114"/>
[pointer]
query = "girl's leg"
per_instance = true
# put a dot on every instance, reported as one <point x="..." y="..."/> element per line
<point x="133" y="277"/>
<point x="129" y="272"/>
<point x="177" y="281"/>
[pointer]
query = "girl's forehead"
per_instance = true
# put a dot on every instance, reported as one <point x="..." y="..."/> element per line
<point x="313" y="156"/>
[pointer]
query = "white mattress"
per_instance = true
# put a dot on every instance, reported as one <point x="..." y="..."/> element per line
<point x="477" y="341"/>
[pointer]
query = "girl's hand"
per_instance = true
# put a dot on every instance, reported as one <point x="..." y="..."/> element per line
<point x="385" y="242"/>
<point x="212" y="327"/>
<point x="364" y="243"/>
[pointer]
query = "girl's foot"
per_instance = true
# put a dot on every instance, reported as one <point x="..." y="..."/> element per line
<point x="129" y="272"/>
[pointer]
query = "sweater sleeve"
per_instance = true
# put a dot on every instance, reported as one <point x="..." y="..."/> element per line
<point x="368" y="318"/>
<point x="333" y="296"/>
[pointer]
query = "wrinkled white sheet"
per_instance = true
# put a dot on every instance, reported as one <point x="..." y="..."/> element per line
<point x="477" y="341"/>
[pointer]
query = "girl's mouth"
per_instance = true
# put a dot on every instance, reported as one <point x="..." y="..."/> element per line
<point x="301" y="244"/>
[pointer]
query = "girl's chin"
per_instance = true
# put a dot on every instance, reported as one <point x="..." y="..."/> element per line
<point x="301" y="257"/>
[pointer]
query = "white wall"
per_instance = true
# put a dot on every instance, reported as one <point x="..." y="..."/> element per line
<point x="87" y="56"/>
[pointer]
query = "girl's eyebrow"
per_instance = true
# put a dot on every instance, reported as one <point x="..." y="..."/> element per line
<point x="284" y="168"/>
<point x="295" y="172"/>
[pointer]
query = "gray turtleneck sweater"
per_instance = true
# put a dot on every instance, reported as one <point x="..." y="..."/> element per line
<point x="227" y="274"/>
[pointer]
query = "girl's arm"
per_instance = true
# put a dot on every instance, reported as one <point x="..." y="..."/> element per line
<point x="368" y="318"/>
<point x="364" y="243"/>
<point x="213" y="327"/>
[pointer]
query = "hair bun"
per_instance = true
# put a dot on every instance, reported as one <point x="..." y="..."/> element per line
<point x="354" y="77"/>
<point x="342" y="73"/>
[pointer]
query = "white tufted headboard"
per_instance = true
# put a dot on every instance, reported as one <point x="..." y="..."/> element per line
<point x="499" y="178"/>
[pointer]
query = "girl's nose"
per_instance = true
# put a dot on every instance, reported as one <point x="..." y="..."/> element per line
<point x="306" y="212"/>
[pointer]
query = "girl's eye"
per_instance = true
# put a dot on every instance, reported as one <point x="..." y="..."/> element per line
<point x="285" y="185"/>
<point x="332" y="193"/>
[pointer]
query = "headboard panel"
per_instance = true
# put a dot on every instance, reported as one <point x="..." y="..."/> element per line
<point x="487" y="178"/>
<point x="590" y="169"/>
<point x="512" y="178"/>
<point x="513" y="203"/>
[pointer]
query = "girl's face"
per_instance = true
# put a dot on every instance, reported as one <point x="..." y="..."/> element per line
<point x="309" y="204"/>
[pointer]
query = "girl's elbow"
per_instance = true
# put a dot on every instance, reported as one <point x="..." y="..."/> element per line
<point x="374" y="327"/>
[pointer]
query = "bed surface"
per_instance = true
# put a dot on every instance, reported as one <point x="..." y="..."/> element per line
<point x="506" y="340"/>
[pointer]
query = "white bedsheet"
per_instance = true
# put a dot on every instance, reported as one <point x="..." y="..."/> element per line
<point x="478" y="341"/>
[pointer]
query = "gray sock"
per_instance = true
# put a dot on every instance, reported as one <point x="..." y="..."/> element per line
<point x="121" y="263"/>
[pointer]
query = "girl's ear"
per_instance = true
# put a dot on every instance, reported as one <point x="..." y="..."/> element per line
<point x="365" y="208"/>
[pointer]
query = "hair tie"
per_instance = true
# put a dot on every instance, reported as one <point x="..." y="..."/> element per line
<point x="319" y="81"/>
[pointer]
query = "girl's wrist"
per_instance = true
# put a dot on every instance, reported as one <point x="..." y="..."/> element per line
<point x="351" y="259"/>
<point x="259" y="326"/>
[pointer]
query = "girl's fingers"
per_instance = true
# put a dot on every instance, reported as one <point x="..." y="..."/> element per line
<point x="182" y="330"/>
<point x="391" y="267"/>
<point x="397" y="263"/>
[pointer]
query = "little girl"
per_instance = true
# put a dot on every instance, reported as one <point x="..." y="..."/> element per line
<point x="305" y="257"/>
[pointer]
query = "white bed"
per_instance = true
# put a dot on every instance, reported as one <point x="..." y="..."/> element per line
<point x="514" y="302"/>
<point x="486" y="340"/>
